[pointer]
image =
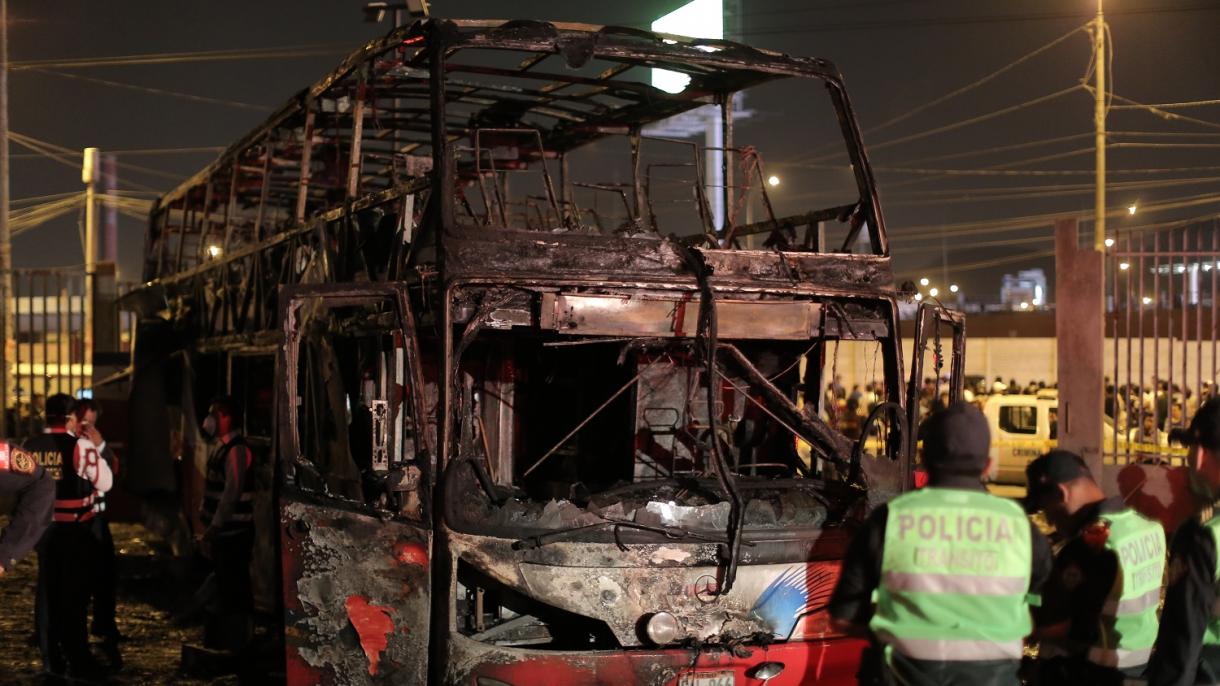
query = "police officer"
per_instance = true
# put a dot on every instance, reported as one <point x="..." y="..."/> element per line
<point x="66" y="553"/>
<point x="1098" y="618"/>
<point x="942" y="577"/>
<point x="228" y="515"/>
<point x="22" y="477"/>
<point x="1188" y="644"/>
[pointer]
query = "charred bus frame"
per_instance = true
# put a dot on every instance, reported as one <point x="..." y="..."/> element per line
<point x="339" y="236"/>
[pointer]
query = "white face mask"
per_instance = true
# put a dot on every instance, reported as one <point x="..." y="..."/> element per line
<point x="209" y="427"/>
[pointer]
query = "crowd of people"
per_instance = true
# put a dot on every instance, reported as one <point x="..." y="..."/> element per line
<point x="1142" y="415"/>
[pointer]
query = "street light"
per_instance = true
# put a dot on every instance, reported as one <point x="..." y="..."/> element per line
<point x="1024" y="306"/>
<point x="375" y="12"/>
<point x="214" y="250"/>
<point x="918" y="297"/>
<point x="953" y="288"/>
<point x="1132" y="208"/>
<point x="933" y="292"/>
<point x="1124" y="265"/>
<point x="1109" y="242"/>
<point x="1147" y="300"/>
<point x="923" y="281"/>
<point x="773" y="180"/>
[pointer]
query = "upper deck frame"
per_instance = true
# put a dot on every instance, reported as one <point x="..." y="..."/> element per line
<point x="349" y="142"/>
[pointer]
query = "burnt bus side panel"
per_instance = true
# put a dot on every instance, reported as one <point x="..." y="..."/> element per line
<point x="356" y="595"/>
<point x="831" y="662"/>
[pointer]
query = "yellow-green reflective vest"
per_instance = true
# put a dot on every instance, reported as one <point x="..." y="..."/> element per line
<point x="1211" y="637"/>
<point x="954" y="577"/>
<point x="1128" y="622"/>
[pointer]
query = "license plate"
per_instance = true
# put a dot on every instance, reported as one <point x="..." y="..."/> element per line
<point x="707" y="679"/>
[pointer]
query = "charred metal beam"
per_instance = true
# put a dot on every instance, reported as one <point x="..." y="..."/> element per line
<point x="830" y="444"/>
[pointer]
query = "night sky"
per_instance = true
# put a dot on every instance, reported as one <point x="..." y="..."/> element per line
<point x="895" y="55"/>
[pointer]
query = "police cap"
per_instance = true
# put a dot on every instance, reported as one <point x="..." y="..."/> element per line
<point x="956" y="441"/>
<point x="1043" y="476"/>
<point x="59" y="406"/>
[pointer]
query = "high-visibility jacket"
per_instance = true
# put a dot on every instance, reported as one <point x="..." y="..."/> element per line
<point x="1129" y="619"/>
<point x="1211" y="637"/>
<point x="955" y="576"/>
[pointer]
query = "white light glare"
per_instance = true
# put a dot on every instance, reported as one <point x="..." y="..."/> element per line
<point x="923" y="281"/>
<point x="773" y="180"/>
<point x="1147" y="300"/>
<point x="1124" y="266"/>
<point x="918" y="297"/>
<point x="1132" y="208"/>
<point x="214" y="251"/>
<point x="934" y="292"/>
<point x="953" y="288"/>
<point x="1109" y="242"/>
<point x="1025" y="306"/>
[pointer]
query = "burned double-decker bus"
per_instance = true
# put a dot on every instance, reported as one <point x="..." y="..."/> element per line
<point x="539" y="404"/>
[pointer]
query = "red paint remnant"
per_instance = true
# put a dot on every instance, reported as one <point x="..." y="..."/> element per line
<point x="298" y="673"/>
<point x="411" y="554"/>
<point x="373" y="624"/>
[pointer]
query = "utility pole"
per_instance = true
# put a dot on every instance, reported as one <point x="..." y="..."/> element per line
<point x="88" y="175"/>
<point x="1099" y="124"/>
<point x="6" y="244"/>
<point x="108" y="242"/>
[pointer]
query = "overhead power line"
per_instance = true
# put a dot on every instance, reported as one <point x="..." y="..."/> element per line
<point x="1083" y="190"/>
<point x="978" y="119"/>
<point x="1169" y="105"/>
<point x="184" y="57"/>
<point x="933" y="231"/>
<point x="976" y="84"/>
<point x="912" y="22"/>
<point x="1034" y="172"/>
<point x="63" y="153"/>
<point x="818" y="153"/>
<point x="996" y="149"/>
<point x="1164" y="114"/>
<point x="137" y="152"/>
<point x="65" y="156"/>
<point x="154" y="91"/>
<point x="986" y="264"/>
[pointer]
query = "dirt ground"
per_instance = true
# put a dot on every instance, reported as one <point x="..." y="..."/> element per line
<point x="148" y="595"/>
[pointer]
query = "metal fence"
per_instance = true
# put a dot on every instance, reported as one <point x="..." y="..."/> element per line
<point x="1161" y="322"/>
<point x="48" y="351"/>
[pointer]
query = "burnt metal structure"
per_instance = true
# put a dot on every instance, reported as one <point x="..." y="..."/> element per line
<point x="519" y="437"/>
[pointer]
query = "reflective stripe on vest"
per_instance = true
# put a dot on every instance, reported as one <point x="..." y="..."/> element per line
<point x="1117" y="657"/>
<point x="74" y="495"/>
<point x="954" y="576"/>
<point x="214" y="483"/>
<point x="945" y="650"/>
<point x="1129" y="623"/>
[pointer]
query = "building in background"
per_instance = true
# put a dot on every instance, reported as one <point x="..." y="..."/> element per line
<point x="1026" y="290"/>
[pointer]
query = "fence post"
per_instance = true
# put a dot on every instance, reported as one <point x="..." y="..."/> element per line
<point x="1079" y="304"/>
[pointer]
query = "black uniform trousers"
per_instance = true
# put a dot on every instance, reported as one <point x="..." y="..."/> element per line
<point x="230" y="627"/>
<point x="66" y="558"/>
<point x="105" y="579"/>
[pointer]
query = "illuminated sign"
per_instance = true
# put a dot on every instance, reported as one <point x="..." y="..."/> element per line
<point x="698" y="19"/>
